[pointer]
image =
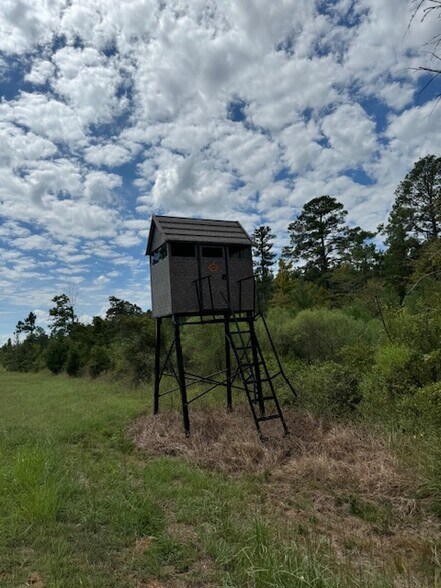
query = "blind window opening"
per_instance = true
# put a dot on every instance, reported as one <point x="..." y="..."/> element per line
<point x="239" y="251"/>
<point x="183" y="250"/>
<point x="159" y="254"/>
<point x="212" y="252"/>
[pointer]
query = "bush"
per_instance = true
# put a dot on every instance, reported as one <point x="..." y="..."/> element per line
<point x="99" y="361"/>
<point x="204" y="347"/>
<point x="73" y="361"/>
<point x="56" y="354"/>
<point x="133" y="348"/>
<point x="397" y="373"/>
<point x="280" y="323"/>
<point x="419" y="326"/>
<point x="422" y="410"/>
<point x="327" y="388"/>
<point x="322" y="334"/>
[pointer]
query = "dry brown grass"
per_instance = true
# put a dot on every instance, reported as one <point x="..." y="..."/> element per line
<point x="315" y="449"/>
<point x="219" y="440"/>
<point x="326" y="479"/>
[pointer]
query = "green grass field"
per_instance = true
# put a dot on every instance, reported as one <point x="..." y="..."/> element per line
<point x="79" y="506"/>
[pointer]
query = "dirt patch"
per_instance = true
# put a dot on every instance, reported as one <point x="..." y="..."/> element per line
<point x="35" y="581"/>
<point x="143" y="544"/>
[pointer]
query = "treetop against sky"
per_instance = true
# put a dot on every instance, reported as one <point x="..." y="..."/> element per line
<point x="241" y="110"/>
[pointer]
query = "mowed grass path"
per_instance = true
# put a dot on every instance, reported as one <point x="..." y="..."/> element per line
<point x="80" y="507"/>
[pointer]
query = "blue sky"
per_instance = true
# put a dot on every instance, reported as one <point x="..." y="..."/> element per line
<point x="245" y="110"/>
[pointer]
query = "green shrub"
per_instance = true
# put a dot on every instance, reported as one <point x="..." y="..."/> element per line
<point x="322" y="334"/>
<point x="280" y="323"/>
<point x="56" y="354"/>
<point x="359" y="357"/>
<point x="99" y="360"/>
<point x="419" y="326"/>
<point x="327" y="388"/>
<point x="397" y="373"/>
<point x="73" y="361"/>
<point x="204" y="348"/>
<point x="39" y="362"/>
<point x="133" y="348"/>
<point x="392" y="363"/>
<point x="422" y="410"/>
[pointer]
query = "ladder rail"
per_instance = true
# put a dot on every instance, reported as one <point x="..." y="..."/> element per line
<point x="276" y="355"/>
<point x="273" y="391"/>
<point x="250" y="373"/>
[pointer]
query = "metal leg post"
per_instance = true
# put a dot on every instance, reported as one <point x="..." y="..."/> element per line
<point x="228" y="362"/>
<point x="181" y="376"/>
<point x="157" y="365"/>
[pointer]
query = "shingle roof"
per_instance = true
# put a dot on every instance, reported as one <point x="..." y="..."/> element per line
<point x="193" y="230"/>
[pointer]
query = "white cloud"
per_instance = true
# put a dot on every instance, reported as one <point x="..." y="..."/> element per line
<point x="351" y="136"/>
<point x="101" y="280"/>
<point x="24" y="24"/>
<point x="41" y="71"/>
<point x="128" y="239"/>
<point x="45" y="116"/>
<point x="98" y="186"/>
<point x="244" y="109"/>
<point x="32" y="242"/>
<point x="88" y="81"/>
<point x="109" y="155"/>
<point x="19" y="149"/>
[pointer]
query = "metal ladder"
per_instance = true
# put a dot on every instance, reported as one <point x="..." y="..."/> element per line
<point x="254" y="372"/>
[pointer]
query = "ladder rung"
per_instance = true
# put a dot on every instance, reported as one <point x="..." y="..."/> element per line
<point x="243" y="347"/>
<point x="264" y="398"/>
<point x="240" y="332"/>
<point x="268" y="418"/>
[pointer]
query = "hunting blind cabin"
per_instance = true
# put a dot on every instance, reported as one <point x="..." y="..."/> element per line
<point x="202" y="273"/>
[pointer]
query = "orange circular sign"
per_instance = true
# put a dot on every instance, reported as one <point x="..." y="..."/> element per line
<point x="214" y="267"/>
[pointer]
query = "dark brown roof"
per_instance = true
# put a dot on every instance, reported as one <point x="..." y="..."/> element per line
<point x="192" y="230"/>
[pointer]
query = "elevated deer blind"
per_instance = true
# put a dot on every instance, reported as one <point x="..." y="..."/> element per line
<point x="202" y="273"/>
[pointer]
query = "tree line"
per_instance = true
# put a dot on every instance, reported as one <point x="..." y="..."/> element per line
<point x="122" y="341"/>
<point x="334" y="259"/>
<point x="327" y="264"/>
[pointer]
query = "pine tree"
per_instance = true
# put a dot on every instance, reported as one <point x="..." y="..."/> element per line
<point x="402" y="249"/>
<point x="317" y="235"/>
<point x="263" y="256"/>
<point x="63" y="315"/>
<point x="419" y="197"/>
<point x="119" y="307"/>
<point x="27" y="326"/>
<point x="414" y="222"/>
<point x="263" y="262"/>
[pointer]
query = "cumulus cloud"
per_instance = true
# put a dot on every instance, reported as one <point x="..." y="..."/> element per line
<point x="114" y="111"/>
<point x="42" y="70"/>
<point x="108" y="155"/>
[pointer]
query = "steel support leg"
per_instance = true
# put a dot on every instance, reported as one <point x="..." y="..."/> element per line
<point x="157" y="365"/>
<point x="181" y="376"/>
<point x="228" y="362"/>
